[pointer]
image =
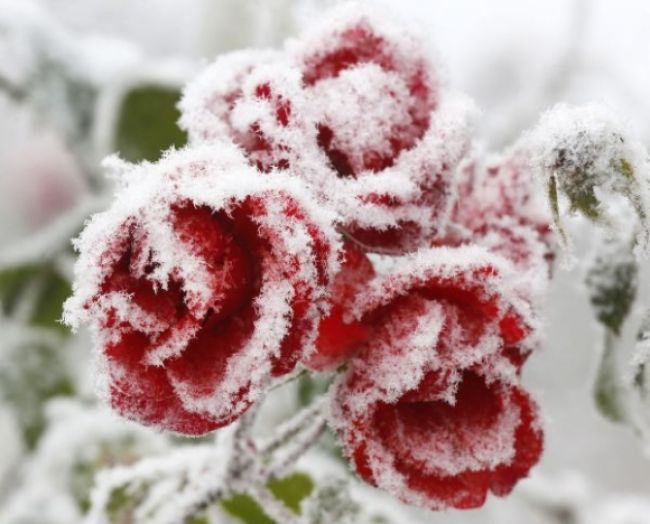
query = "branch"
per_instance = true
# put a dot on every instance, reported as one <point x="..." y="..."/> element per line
<point x="293" y="426"/>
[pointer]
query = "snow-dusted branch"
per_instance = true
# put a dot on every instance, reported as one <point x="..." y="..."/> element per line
<point x="203" y="475"/>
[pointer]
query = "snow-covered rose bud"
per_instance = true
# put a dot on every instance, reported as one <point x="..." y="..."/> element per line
<point x="201" y="282"/>
<point x="356" y="109"/>
<point x="498" y="208"/>
<point x="392" y="135"/>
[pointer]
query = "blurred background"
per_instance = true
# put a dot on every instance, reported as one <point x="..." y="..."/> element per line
<point x="80" y="79"/>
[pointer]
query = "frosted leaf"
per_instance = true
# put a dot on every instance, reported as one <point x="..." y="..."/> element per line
<point x="55" y="481"/>
<point x="160" y="489"/>
<point x="200" y="283"/>
<point x="587" y="155"/>
<point x="34" y="367"/>
<point x="612" y="282"/>
<point x="81" y="441"/>
<point x="38" y="504"/>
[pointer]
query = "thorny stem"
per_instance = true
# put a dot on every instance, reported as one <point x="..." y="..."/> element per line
<point x="293" y="426"/>
<point x="297" y="449"/>
<point x="249" y="469"/>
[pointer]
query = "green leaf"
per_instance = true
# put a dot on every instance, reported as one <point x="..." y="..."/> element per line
<point x="122" y="503"/>
<point x="245" y="509"/>
<point x="609" y="391"/>
<point x="48" y="309"/>
<point x="612" y="282"/>
<point x="291" y="490"/>
<point x="13" y="282"/>
<point x="147" y="123"/>
<point x="30" y="375"/>
<point x="198" y="519"/>
<point x="49" y="290"/>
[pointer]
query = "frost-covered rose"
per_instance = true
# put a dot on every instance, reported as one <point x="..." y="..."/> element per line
<point x="201" y="282"/>
<point x="470" y="287"/>
<point x="356" y="108"/>
<point x="430" y="408"/>
<point x="498" y="207"/>
<point x="444" y="438"/>
<point x="339" y="335"/>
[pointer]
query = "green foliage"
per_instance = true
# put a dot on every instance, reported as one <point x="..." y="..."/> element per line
<point x="198" y="519"/>
<point x="311" y="386"/>
<point x="612" y="282"/>
<point x="291" y="490"/>
<point x="30" y="374"/>
<point x="122" y="502"/>
<point x="108" y="454"/>
<point x="609" y="391"/>
<point x="13" y="282"/>
<point x="146" y="123"/>
<point x="48" y="308"/>
<point x="45" y="289"/>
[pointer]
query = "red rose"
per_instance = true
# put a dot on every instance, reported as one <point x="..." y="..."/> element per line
<point x="338" y="334"/>
<point x="202" y="282"/>
<point x="429" y="408"/>
<point x="354" y="108"/>
<point x="485" y="314"/>
<point x="444" y="440"/>
<point x="497" y="208"/>
<point x="254" y="99"/>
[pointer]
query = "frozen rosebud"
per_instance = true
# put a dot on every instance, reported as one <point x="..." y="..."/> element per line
<point x="201" y="282"/>
<point x="391" y="134"/>
<point x="498" y="208"/>
<point x="440" y="438"/>
<point x="339" y="334"/>
<point x="356" y="109"/>
<point x="254" y="99"/>
<point x="587" y="156"/>
<point x="472" y="288"/>
<point x="208" y="100"/>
